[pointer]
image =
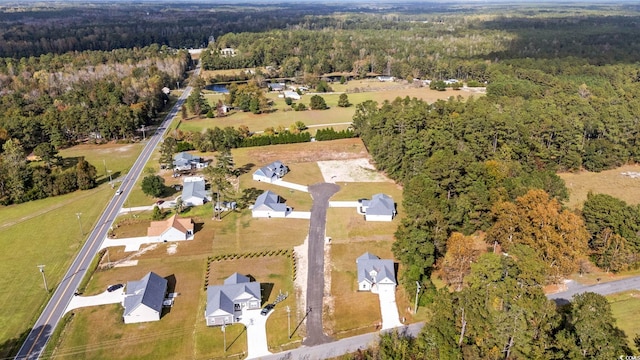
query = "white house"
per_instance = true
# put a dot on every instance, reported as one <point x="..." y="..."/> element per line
<point x="193" y="192"/>
<point x="386" y="78"/>
<point x="271" y="172"/>
<point x="291" y="94"/>
<point x="268" y="205"/>
<point x="380" y="208"/>
<point x="225" y="303"/>
<point x="228" y="52"/>
<point x="185" y="162"/>
<point x="375" y="274"/>
<point x="143" y="299"/>
<point x="172" y="229"/>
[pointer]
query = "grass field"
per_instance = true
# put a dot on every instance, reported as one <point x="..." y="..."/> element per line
<point x="48" y="232"/>
<point x="625" y="308"/>
<point x="183" y="331"/>
<point x="610" y="182"/>
<point x="357" y="90"/>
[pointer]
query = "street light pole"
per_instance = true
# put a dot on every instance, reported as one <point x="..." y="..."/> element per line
<point x="110" y="180"/>
<point x="80" y="223"/>
<point x="415" y="309"/>
<point x="44" y="279"/>
<point x="144" y="137"/>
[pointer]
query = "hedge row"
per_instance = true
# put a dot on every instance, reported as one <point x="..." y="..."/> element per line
<point x="330" y="134"/>
<point x="233" y="256"/>
<point x="282" y="138"/>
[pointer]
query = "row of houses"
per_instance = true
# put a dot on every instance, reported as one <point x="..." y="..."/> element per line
<point x="145" y="298"/>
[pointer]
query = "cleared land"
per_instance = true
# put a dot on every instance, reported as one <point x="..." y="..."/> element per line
<point x="625" y="308"/>
<point x="612" y="182"/>
<point x="47" y="232"/>
<point x="357" y="90"/>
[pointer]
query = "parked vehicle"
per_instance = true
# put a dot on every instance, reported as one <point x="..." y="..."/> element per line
<point x="266" y="309"/>
<point x="115" y="287"/>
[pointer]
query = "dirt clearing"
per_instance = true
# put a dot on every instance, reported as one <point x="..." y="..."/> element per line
<point x="354" y="170"/>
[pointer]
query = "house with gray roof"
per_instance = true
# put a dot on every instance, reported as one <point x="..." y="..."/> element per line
<point x="375" y="274"/>
<point x="380" y="208"/>
<point x="225" y="303"/>
<point x="143" y="299"/>
<point x="185" y="162"/>
<point x="193" y="191"/>
<point x="271" y="172"/>
<point x="269" y="205"/>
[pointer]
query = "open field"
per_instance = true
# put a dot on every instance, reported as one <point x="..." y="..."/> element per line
<point x="357" y="90"/>
<point x="625" y="308"/>
<point x="47" y="232"/>
<point x="610" y="182"/>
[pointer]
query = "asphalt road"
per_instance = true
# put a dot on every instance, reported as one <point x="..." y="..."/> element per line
<point x="52" y="313"/>
<point x="315" y="274"/>
<point x="340" y="347"/>
<point x="605" y="288"/>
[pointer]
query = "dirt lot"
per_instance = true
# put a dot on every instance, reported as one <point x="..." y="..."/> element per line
<point x="355" y="170"/>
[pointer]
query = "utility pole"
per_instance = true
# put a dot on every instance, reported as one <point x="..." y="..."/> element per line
<point x="110" y="180"/>
<point x="44" y="279"/>
<point x="224" y="332"/>
<point x="144" y="137"/>
<point x="415" y="309"/>
<point x="289" y="321"/>
<point x="105" y="165"/>
<point x="80" y="223"/>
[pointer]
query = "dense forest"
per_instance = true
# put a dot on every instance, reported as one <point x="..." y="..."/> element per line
<point x="60" y="100"/>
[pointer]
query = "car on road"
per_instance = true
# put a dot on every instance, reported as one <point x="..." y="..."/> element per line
<point x="266" y="309"/>
<point x="159" y="202"/>
<point x="118" y="192"/>
<point x="115" y="287"/>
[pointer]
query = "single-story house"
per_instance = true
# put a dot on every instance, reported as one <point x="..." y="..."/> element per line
<point x="268" y="205"/>
<point x="380" y="208"/>
<point x="172" y="229"/>
<point x="185" y="162"/>
<point x="271" y="172"/>
<point x="276" y="86"/>
<point x="375" y="273"/>
<point x="386" y="78"/>
<point x="193" y="192"/>
<point x="291" y="94"/>
<point x="228" y="52"/>
<point x="226" y="302"/>
<point x="451" y="81"/>
<point x="143" y="299"/>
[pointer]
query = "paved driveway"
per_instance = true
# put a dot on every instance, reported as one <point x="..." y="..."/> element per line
<point x="256" y="333"/>
<point x="315" y="275"/>
<point x="388" y="307"/>
<point x="105" y="298"/>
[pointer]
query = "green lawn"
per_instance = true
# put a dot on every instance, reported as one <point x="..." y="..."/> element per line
<point x="47" y="232"/>
<point x="625" y="308"/>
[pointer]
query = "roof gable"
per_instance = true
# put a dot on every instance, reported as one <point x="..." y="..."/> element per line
<point x="157" y="228"/>
<point x="269" y="201"/>
<point x="381" y="204"/>
<point x="148" y="291"/>
<point x="193" y="189"/>
<point x="383" y="269"/>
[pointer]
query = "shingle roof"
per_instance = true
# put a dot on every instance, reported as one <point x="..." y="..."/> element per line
<point x="148" y="291"/>
<point x="237" y="287"/>
<point x="276" y="168"/>
<point x="194" y="189"/>
<point x="156" y="228"/>
<point x="380" y="204"/>
<point x="384" y="269"/>
<point x="269" y="201"/>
